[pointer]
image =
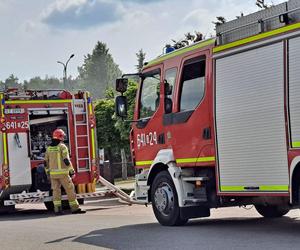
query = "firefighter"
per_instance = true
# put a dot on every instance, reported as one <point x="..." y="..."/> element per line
<point x="59" y="168"/>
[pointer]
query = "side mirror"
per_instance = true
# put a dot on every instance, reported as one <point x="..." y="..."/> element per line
<point x="121" y="106"/>
<point x="168" y="88"/>
<point x="121" y="85"/>
<point x="168" y="105"/>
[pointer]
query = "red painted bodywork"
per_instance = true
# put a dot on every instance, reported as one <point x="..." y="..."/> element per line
<point x="187" y="140"/>
<point x="195" y="146"/>
<point x="81" y="177"/>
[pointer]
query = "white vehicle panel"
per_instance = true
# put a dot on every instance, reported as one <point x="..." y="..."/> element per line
<point x="19" y="162"/>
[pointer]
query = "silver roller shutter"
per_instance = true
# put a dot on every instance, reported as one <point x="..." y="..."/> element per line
<point x="250" y="121"/>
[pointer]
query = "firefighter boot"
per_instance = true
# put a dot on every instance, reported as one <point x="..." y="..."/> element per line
<point x="79" y="211"/>
<point x="58" y="211"/>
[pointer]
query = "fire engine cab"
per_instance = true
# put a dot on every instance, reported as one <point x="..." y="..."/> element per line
<point x="217" y="123"/>
<point x="28" y="119"/>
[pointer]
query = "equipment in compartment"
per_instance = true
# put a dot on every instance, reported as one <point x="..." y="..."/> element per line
<point x="42" y="125"/>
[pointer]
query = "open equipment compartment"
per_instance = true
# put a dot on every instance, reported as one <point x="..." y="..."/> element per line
<point x="42" y="123"/>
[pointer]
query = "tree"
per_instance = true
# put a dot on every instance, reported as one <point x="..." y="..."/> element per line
<point x="141" y="59"/>
<point x="12" y="82"/>
<point x="99" y="71"/>
<point x="47" y="83"/>
<point x="113" y="134"/>
<point x="107" y="135"/>
<point x="2" y="85"/>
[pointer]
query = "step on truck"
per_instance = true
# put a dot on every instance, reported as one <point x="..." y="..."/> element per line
<point x="217" y="123"/>
<point x="28" y="119"/>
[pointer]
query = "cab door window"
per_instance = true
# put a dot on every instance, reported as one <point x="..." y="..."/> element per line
<point x="170" y="78"/>
<point x="150" y="94"/>
<point x="192" y="84"/>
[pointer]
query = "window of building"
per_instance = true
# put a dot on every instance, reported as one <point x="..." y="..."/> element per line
<point x="192" y="84"/>
<point x="150" y="94"/>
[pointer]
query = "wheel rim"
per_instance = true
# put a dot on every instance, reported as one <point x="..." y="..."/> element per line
<point x="164" y="199"/>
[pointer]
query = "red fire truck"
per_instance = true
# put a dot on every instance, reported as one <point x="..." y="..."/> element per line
<point x="28" y="119"/>
<point x="217" y="123"/>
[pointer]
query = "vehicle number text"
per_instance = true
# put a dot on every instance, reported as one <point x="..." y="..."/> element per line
<point x="149" y="139"/>
<point x="17" y="125"/>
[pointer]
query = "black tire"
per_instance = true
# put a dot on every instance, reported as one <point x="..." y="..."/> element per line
<point x="6" y="209"/>
<point x="272" y="211"/>
<point x="165" y="201"/>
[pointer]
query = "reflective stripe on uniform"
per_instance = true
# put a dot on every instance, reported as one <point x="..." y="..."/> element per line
<point x="64" y="151"/>
<point x="58" y="160"/>
<point x="74" y="203"/>
<point x="53" y="149"/>
<point x="57" y="203"/>
<point x="56" y="149"/>
<point x="59" y="171"/>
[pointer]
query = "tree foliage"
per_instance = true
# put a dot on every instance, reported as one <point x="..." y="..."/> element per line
<point x="39" y="83"/>
<point x="140" y="59"/>
<point x="11" y="82"/>
<point x="108" y="136"/>
<point x="117" y="131"/>
<point x="99" y="71"/>
<point x="97" y="75"/>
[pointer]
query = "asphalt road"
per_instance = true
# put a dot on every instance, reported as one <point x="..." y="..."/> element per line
<point x="112" y="225"/>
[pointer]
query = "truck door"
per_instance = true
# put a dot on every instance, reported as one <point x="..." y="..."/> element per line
<point x="17" y="140"/>
<point x="187" y="126"/>
<point x="148" y="129"/>
<point x="19" y="161"/>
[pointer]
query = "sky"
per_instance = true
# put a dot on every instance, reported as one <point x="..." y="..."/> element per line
<point x="35" y="34"/>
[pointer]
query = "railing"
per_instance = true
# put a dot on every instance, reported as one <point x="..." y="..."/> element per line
<point x="258" y="26"/>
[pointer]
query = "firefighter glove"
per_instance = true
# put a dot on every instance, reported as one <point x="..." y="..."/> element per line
<point x="72" y="173"/>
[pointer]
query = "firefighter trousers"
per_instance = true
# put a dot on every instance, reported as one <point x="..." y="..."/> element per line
<point x="63" y="180"/>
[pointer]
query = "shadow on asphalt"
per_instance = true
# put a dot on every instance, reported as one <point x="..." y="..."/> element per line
<point x="28" y="214"/>
<point x="229" y="233"/>
<point x="60" y="240"/>
<point x="32" y="214"/>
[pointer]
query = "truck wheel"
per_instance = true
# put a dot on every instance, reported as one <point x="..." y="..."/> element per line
<point x="165" y="201"/>
<point x="272" y="211"/>
<point x="6" y="209"/>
